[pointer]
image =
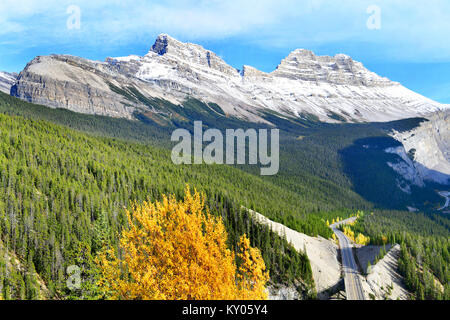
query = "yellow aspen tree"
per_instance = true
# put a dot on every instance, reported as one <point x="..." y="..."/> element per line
<point x="251" y="273"/>
<point x="362" y="239"/>
<point x="177" y="250"/>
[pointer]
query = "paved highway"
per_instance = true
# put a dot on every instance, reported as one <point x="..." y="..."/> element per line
<point x="352" y="280"/>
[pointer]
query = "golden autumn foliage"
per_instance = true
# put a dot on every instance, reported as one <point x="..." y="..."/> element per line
<point x="351" y="223"/>
<point x="177" y="250"/>
<point x="360" y="239"/>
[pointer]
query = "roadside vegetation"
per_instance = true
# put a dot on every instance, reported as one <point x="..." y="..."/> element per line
<point x="425" y="245"/>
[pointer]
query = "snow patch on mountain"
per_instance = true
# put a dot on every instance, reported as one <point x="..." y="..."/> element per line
<point x="6" y="81"/>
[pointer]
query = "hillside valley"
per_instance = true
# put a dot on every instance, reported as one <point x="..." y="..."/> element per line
<point x="82" y="140"/>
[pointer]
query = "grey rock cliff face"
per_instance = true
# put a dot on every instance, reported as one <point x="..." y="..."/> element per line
<point x="172" y="70"/>
<point x="72" y="83"/>
<point x="429" y="147"/>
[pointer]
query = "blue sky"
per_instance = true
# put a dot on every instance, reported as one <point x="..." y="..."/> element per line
<point x="411" y="44"/>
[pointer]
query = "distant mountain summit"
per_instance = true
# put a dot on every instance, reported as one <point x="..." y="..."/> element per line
<point x="304" y="65"/>
<point x="331" y="89"/>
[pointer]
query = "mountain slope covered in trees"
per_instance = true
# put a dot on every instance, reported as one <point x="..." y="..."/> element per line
<point x="64" y="192"/>
<point x="425" y="244"/>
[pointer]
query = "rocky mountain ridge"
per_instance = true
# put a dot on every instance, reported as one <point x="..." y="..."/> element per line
<point x="332" y="89"/>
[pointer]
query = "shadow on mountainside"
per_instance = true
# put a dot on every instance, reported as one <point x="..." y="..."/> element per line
<point x="365" y="163"/>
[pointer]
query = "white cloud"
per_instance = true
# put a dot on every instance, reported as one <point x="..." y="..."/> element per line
<point x="411" y="29"/>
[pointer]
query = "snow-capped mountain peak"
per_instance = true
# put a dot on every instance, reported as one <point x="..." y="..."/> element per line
<point x="188" y="53"/>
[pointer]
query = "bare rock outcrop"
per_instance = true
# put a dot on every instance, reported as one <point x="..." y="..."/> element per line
<point x="428" y="149"/>
<point x="322" y="254"/>
<point x="384" y="281"/>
